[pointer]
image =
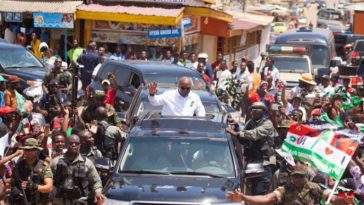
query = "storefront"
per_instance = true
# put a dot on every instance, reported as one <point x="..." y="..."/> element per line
<point x="144" y="28"/>
<point x="35" y="16"/>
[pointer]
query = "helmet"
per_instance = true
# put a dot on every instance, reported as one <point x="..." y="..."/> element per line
<point x="43" y="47"/>
<point x="203" y="55"/>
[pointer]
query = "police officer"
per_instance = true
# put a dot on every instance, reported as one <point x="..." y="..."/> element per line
<point x="75" y="177"/>
<point x="32" y="178"/>
<point x="257" y="138"/>
<point x="63" y="78"/>
<point x="299" y="191"/>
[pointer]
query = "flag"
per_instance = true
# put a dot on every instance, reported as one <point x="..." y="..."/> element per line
<point x="328" y="150"/>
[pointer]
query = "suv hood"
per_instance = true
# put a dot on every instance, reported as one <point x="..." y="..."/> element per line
<point x="170" y="188"/>
<point x="27" y="73"/>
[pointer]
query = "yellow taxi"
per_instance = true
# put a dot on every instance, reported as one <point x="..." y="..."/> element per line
<point x="279" y="27"/>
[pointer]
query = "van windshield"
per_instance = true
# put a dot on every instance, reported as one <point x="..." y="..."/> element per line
<point x="320" y="56"/>
<point x="294" y="64"/>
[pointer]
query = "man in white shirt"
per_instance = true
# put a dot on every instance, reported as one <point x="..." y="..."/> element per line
<point x="222" y="75"/>
<point x="179" y="102"/>
<point x="325" y="86"/>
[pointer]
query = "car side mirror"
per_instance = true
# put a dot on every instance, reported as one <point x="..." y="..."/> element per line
<point x="103" y="164"/>
<point x="254" y="170"/>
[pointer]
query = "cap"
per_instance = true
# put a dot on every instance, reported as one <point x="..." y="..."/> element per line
<point x="105" y="81"/>
<point x="299" y="169"/>
<point x="307" y="78"/>
<point x="31" y="143"/>
<point x="6" y="110"/>
<point x="13" y="79"/>
<point x="2" y="79"/>
<point x="258" y="105"/>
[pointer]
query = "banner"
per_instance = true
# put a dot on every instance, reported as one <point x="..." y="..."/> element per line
<point x="52" y="20"/>
<point x="328" y="150"/>
<point x="164" y="33"/>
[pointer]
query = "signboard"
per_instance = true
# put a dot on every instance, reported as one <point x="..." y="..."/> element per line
<point x="164" y="33"/>
<point x="133" y="38"/>
<point x="13" y="17"/>
<point x="51" y="20"/>
<point x="186" y="22"/>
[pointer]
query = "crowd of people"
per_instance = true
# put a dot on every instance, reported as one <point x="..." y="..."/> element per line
<point x="57" y="141"/>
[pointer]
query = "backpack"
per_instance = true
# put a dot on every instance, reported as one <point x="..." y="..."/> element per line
<point x="101" y="135"/>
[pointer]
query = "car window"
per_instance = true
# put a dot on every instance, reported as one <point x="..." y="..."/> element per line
<point x="291" y="64"/>
<point x="359" y="46"/>
<point x="18" y="57"/>
<point x="320" y="56"/>
<point x="179" y="154"/>
<point x="123" y="75"/>
<point x="104" y="70"/>
<point x="197" y="81"/>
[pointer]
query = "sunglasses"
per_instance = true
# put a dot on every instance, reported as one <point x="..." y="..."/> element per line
<point x="72" y="143"/>
<point x="185" y="88"/>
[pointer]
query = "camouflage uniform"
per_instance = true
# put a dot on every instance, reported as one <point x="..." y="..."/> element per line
<point x="63" y="78"/>
<point x="37" y="174"/>
<point x="76" y="182"/>
<point x="310" y="194"/>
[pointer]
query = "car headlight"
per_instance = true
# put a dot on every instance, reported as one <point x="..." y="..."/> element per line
<point x="115" y="202"/>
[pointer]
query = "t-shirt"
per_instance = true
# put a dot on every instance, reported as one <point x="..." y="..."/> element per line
<point x="222" y="76"/>
<point x="110" y="97"/>
<point x="290" y="108"/>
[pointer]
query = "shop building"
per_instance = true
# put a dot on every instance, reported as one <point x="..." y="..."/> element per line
<point x="53" y="21"/>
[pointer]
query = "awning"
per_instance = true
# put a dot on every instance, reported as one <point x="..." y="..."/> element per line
<point x="238" y="26"/>
<point x="132" y="14"/>
<point x="262" y="20"/>
<point x="208" y="12"/>
<point x="63" y="7"/>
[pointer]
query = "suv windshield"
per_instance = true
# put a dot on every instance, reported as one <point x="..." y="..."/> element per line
<point x="291" y="64"/>
<point x="178" y="154"/>
<point x="197" y="81"/>
<point x="17" y="57"/>
<point x="320" y="56"/>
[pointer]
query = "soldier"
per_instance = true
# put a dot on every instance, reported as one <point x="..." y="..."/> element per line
<point x="75" y="177"/>
<point x="32" y="178"/>
<point x="87" y="145"/>
<point x="257" y="138"/>
<point x="299" y="191"/>
<point x="63" y="78"/>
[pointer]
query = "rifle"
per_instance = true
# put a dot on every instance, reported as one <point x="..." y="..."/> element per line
<point x="19" y="181"/>
<point x="75" y="77"/>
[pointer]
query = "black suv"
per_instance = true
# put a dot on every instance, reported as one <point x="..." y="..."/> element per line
<point x="177" y="160"/>
<point x="17" y="60"/>
<point x="134" y="74"/>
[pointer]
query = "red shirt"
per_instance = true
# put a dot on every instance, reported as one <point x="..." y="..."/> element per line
<point x="206" y="77"/>
<point x="110" y="97"/>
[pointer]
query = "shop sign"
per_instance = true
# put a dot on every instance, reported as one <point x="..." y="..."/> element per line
<point x="132" y="38"/>
<point x="194" y="25"/>
<point x="186" y="22"/>
<point x="52" y="20"/>
<point x="164" y="33"/>
<point x="191" y="39"/>
<point x="13" y="17"/>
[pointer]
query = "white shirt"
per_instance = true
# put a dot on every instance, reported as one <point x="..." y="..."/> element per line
<point x="326" y="90"/>
<point x="222" y="76"/>
<point x="274" y="73"/>
<point x="290" y="108"/>
<point x="176" y="105"/>
<point x="96" y="70"/>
